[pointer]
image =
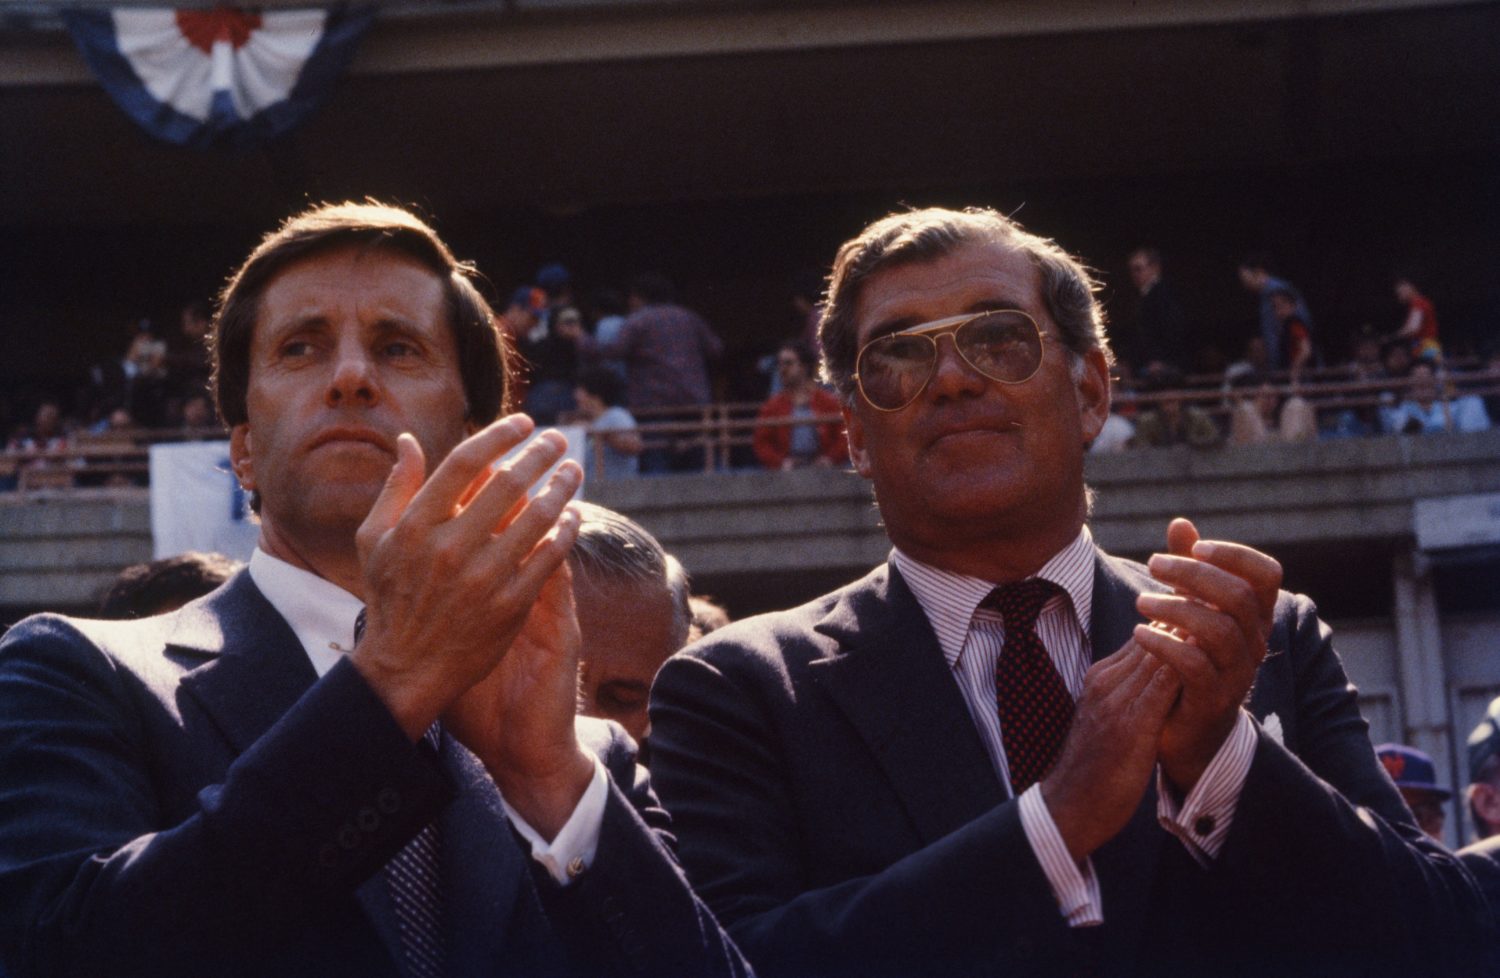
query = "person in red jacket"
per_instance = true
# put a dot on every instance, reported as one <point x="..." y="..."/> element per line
<point x="781" y="446"/>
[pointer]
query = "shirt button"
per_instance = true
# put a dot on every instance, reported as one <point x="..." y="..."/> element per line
<point x="1204" y="825"/>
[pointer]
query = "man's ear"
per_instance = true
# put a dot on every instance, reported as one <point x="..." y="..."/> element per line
<point x="855" y="431"/>
<point x="241" y="456"/>
<point x="1093" y="394"/>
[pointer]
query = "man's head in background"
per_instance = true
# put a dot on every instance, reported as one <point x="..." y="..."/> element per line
<point x="142" y="590"/>
<point x="632" y="600"/>
<point x="1484" y="773"/>
<point x="1416" y="777"/>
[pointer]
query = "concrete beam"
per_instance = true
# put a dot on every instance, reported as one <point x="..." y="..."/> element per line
<point x="417" y="38"/>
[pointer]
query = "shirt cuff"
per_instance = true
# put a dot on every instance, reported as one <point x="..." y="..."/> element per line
<point x="1074" y="886"/>
<point x="572" y="852"/>
<point x="1202" y="820"/>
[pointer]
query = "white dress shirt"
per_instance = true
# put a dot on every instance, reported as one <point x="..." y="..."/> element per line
<point x="321" y="615"/>
<point x="971" y="639"/>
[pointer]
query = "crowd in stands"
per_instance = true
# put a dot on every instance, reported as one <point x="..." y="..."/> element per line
<point x="624" y="359"/>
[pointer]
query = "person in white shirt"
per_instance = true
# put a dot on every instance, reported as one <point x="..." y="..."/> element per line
<point x="1005" y="751"/>
<point x="360" y="756"/>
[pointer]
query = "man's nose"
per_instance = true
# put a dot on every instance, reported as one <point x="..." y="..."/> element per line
<point x="952" y="375"/>
<point x="353" y="379"/>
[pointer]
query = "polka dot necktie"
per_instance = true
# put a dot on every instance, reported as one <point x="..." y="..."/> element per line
<point x="1035" y="706"/>
<point x="413" y="881"/>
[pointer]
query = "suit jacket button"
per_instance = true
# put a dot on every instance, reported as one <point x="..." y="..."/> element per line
<point x="388" y="801"/>
<point x="328" y="857"/>
<point x="368" y="819"/>
<point x="349" y="837"/>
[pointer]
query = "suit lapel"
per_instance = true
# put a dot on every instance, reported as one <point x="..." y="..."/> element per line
<point x="255" y="669"/>
<point x="889" y="678"/>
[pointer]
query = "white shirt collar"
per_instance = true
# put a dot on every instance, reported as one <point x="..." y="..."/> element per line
<point x="320" y="612"/>
<point x="950" y="600"/>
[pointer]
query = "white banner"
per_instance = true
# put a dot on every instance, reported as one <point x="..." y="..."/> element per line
<point x="196" y="503"/>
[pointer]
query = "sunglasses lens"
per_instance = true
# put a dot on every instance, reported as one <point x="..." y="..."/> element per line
<point x="893" y="369"/>
<point x="1004" y="346"/>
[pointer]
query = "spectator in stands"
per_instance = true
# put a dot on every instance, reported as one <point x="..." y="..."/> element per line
<point x="708" y="616"/>
<point x="1483" y="793"/>
<point x="1258" y="414"/>
<point x="632" y="600"/>
<point x="1427" y="409"/>
<point x="1165" y="421"/>
<point x="1416" y="778"/>
<point x="155" y="588"/>
<point x="667" y="349"/>
<point x="1255" y="363"/>
<point x="197" y="415"/>
<point x="1255" y="278"/>
<point x="556" y="281"/>
<point x="115" y="419"/>
<point x="187" y="358"/>
<point x="522" y="314"/>
<point x="781" y="446"/>
<point x="807" y="303"/>
<point x="1118" y="432"/>
<point x="1420" y="328"/>
<point x="41" y="448"/>
<point x="1296" y="340"/>
<point x="614" y="437"/>
<point x="609" y="319"/>
<point x="145" y="366"/>
<point x="1492" y="401"/>
<point x="1365" y="366"/>
<point x="552" y="362"/>
<point x="1161" y="327"/>
<point x="1482" y="858"/>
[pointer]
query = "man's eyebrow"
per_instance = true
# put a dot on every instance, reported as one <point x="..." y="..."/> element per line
<point x="296" y="324"/>
<point x="900" y="323"/>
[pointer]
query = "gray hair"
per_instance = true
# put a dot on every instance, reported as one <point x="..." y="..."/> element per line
<point x="912" y="237"/>
<point x="613" y="547"/>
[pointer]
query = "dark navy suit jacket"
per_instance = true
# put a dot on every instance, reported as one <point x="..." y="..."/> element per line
<point x="835" y="806"/>
<point x="182" y="795"/>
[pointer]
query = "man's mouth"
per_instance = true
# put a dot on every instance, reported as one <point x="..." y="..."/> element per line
<point x="353" y="435"/>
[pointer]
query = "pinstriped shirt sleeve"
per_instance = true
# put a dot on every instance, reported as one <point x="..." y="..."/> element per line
<point x="1075" y="887"/>
<point x="1202" y="819"/>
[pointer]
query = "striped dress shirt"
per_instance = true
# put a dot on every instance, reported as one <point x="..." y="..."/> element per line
<point x="971" y="638"/>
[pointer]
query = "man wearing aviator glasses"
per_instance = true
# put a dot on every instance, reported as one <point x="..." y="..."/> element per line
<point x="1005" y="751"/>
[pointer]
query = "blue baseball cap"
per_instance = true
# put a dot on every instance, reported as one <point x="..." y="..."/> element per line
<point x="1411" y="769"/>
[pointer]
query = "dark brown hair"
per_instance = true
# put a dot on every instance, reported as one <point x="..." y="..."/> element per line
<point x="482" y="359"/>
<point x="910" y="237"/>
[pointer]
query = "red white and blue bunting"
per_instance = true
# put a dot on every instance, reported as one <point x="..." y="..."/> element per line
<point x="225" y="77"/>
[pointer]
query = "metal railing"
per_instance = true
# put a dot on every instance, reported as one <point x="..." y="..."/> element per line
<point x="724" y="433"/>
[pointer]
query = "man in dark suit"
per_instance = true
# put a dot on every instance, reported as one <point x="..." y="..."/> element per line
<point x="1005" y="751"/>
<point x="1161" y="326"/>
<point x="359" y="756"/>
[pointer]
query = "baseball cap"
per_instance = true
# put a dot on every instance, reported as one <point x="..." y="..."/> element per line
<point x="1410" y="768"/>
<point x="529" y="298"/>
<point x="1484" y="741"/>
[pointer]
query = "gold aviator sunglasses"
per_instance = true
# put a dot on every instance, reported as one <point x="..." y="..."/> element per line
<point x="1004" y="345"/>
